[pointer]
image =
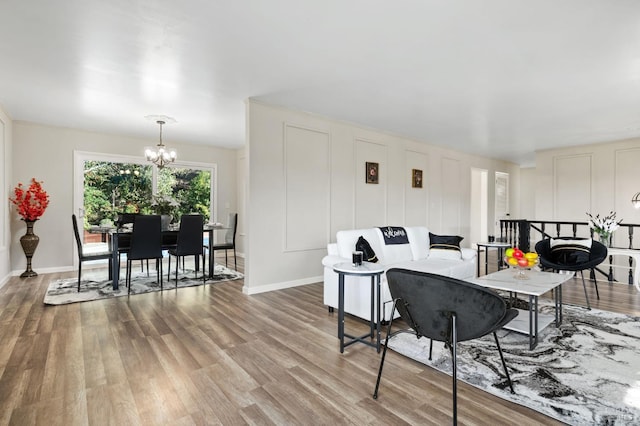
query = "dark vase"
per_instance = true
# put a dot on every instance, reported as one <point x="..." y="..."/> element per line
<point x="29" y="242"/>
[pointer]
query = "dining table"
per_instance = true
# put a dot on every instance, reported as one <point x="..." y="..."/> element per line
<point x="114" y="234"/>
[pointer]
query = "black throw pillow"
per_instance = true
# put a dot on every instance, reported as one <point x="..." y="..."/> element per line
<point x="367" y="252"/>
<point x="445" y="246"/>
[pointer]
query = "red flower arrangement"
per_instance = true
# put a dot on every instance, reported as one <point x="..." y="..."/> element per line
<point x="32" y="202"/>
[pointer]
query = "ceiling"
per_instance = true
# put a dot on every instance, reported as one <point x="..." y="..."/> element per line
<point x="494" y="78"/>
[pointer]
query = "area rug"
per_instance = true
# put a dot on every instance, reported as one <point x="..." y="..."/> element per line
<point x="94" y="287"/>
<point x="587" y="372"/>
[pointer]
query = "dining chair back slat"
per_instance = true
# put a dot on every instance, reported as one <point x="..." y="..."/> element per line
<point x="85" y="257"/>
<point x="189" y="243"/>
<point x="146" y="243"/>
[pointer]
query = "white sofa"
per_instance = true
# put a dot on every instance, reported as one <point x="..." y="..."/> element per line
<point x="414" y="255"/>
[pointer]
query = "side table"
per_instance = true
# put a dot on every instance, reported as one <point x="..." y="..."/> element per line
<point x="487" y="245"/>
<point x="367" y="269"/>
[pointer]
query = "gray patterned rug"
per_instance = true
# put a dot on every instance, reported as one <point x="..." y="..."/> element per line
<point x="94" y="286"/>
<point x="587" y="372"/>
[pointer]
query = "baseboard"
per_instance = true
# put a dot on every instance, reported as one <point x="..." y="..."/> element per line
<point x="281" y="286"/>
<point x="46" y="270"/>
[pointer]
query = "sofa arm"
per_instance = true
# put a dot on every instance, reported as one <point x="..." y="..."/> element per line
<point x="332" y="249"/>
<point x="468" y="253"/>
<point x="330" y="261"/>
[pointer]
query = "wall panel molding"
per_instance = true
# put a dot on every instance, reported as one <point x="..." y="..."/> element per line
<point x="307" y="183"/>
<point x="370" y="200"/>
<point x="450" y="208"/>
<point x="416" y="200"/>
<point x="572" y="187"/>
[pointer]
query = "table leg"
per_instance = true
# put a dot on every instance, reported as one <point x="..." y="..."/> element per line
<point x="371" y="320"/>
<point x="378" y="319"/>
<point x="531" y="346"/>
<point x="533" y="322"/>
<point x="211" y="254"/>
<point x="559" y="305"/>
<point x="114" y="260"/>
<point x="478" y="263"/>
<point x="341" y="311"/>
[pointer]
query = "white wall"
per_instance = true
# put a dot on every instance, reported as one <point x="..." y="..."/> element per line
<point x="46" y="153"/>
<point x="6" y="144"/>
<point x="527" y="191"/>
<point x="594" y="178"/>
<point x="288" y="228"/>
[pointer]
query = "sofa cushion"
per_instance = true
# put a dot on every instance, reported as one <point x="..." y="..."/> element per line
<point x="393" y="253"/>
<point x="419" y="241"/>
<point x="369" y="254"/>
<point x="444" y="246"/>
<point x="567" y="251"/>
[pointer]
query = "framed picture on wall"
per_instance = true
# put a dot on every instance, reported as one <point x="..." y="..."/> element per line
<point x="416" y="178"/>
<point x="371" y="172"/>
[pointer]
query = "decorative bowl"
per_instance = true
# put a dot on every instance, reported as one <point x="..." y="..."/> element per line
<point x="521" y="271"/>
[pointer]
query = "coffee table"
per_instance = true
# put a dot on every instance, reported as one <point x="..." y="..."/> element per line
<point x="537" y="284"/>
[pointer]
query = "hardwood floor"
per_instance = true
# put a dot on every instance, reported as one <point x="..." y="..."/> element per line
<point x="212" y="355"/>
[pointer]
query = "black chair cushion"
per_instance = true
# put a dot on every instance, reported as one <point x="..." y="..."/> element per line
<point x="570" y="251"/>
<point x="363" y="245"/>
<point x="597" y="254"/>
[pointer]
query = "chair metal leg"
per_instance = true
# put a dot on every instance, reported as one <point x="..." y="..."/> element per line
<point x="384" y="352"/>
<point x="454" y="341"/>
<point x="504" y="364"/>
<point x="430" y="348"/>
<point x="79" y="274"/>
<point x="235" y="259"/>
<point x="595" y="283"/>
<point x="584" y="286"/>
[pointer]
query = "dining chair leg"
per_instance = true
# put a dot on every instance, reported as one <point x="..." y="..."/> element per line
<point x="204" y="275"/>
<point x="177" y="264"/>
<point x="235" y="259"/>
<point x="128" y="276"/>
<point x="79" y="275"/>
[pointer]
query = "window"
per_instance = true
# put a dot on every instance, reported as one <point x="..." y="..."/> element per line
<point x="107" y="185"/>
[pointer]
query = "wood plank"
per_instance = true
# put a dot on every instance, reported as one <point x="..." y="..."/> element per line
<point x="213" y="355"/>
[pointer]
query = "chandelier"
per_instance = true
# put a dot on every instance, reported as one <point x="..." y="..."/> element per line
<point x="160" y="157"/>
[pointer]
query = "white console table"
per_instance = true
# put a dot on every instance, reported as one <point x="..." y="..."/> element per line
<point x="635" y="255"/>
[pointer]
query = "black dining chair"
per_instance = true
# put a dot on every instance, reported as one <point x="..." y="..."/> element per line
<point x="229" y="240"/>
<point x="124" y="237"/>
<point x="146" y="243"/>
<point x="569" y="254"/>
<point x="446" y="310"/>
<point x="87" y="257"/>
<point x="189" y="243"/>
